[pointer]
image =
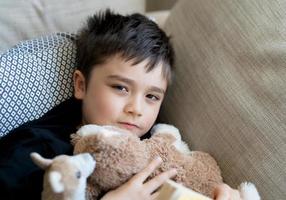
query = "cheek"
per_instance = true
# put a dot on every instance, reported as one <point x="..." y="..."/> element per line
<point x="106" y="108"/>
<point x="101" y="109"/>
<point x="151" y="117"/>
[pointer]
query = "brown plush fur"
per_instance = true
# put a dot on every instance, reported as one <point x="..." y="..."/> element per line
<point x="120" y="156"/>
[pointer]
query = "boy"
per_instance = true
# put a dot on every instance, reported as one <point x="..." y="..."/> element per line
<point x="124" y="67"/>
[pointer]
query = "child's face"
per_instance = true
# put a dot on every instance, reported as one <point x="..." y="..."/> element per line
<point x="122" y="95"/>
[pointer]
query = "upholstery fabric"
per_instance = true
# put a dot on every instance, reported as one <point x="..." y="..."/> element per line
<point x="229" y="92"/>
<point x="35" y="76"/>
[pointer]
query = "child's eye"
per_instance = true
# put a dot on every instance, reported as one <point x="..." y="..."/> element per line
<point x="120" y="88"/>
<point x="153" y="97"/>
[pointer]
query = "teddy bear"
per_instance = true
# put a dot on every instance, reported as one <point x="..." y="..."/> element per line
<point x="65" y="176"/>
<point x="119" y="155"/>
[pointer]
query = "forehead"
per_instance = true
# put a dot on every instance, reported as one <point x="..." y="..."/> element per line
<point x="138" y="72"/>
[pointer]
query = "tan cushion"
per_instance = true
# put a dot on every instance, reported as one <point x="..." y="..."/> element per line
<point x="21" y="20"/>
<point x="229" y="93"/>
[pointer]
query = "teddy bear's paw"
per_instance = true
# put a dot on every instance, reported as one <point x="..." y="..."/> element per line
<point x="92" y="129"/>
<point x="166" y="129"/>
<point x="248" y="191"/>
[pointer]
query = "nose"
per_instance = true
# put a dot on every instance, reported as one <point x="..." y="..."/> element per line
<point x="134" y="106"/>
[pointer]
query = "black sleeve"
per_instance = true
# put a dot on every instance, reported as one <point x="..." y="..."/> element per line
<point x="49" y="136"/>
<point x="19" y="177"/>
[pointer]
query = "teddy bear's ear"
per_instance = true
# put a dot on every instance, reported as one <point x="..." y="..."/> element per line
<point x="41" y="162"/>
<point x="166" y="129"/>
<point x="74" y="138"/>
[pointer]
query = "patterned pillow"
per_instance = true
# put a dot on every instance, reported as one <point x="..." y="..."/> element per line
<point x="35" y="76"/>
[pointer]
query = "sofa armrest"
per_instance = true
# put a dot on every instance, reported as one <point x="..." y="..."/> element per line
<point x="228" y="96"/>
<point x="159" y="17"/>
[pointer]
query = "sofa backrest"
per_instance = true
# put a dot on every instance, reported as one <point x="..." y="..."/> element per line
<point x="229" y="93"/>
<point x="23" y="20"/>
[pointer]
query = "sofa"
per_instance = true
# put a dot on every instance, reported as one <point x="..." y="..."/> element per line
<point x="228" y="96"/>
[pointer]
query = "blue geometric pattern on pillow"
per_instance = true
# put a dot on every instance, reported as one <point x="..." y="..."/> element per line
<point x="35" y="76"/>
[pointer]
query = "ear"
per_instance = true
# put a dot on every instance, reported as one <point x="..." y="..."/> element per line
<point x="56" y="182"/>
<point x="41" y="162"/>
<point x="79" y="84"/>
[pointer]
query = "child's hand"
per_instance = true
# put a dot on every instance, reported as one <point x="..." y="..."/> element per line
<point x="137" y="188"/>
<point x="224" y="192"/>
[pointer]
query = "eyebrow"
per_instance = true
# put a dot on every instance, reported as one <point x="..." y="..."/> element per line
<point x="132" y="82"/>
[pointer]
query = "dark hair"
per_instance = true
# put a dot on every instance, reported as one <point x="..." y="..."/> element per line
<point x="134" y="37"/>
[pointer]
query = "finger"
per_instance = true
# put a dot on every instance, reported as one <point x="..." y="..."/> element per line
<point x="155" y="195"/>
<point x="222" y="192"/>
<point x="143" y="175"/>
<point x="157" y="181"/>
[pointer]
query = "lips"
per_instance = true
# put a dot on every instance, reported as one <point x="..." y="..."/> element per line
<point x="128" y="125"/>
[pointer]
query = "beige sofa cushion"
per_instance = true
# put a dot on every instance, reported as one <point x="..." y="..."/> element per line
<point x="229" y="93"/>
<point x="21" y="20"/>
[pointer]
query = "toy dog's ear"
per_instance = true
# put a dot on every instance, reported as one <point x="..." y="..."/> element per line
<point x="56" y="182"/>
<point x="41" y="162"/>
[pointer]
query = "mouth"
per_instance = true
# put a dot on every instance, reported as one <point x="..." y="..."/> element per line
<point x="128" y="126"/>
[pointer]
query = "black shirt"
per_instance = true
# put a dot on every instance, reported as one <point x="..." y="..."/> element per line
<point x="20" y="178"/>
